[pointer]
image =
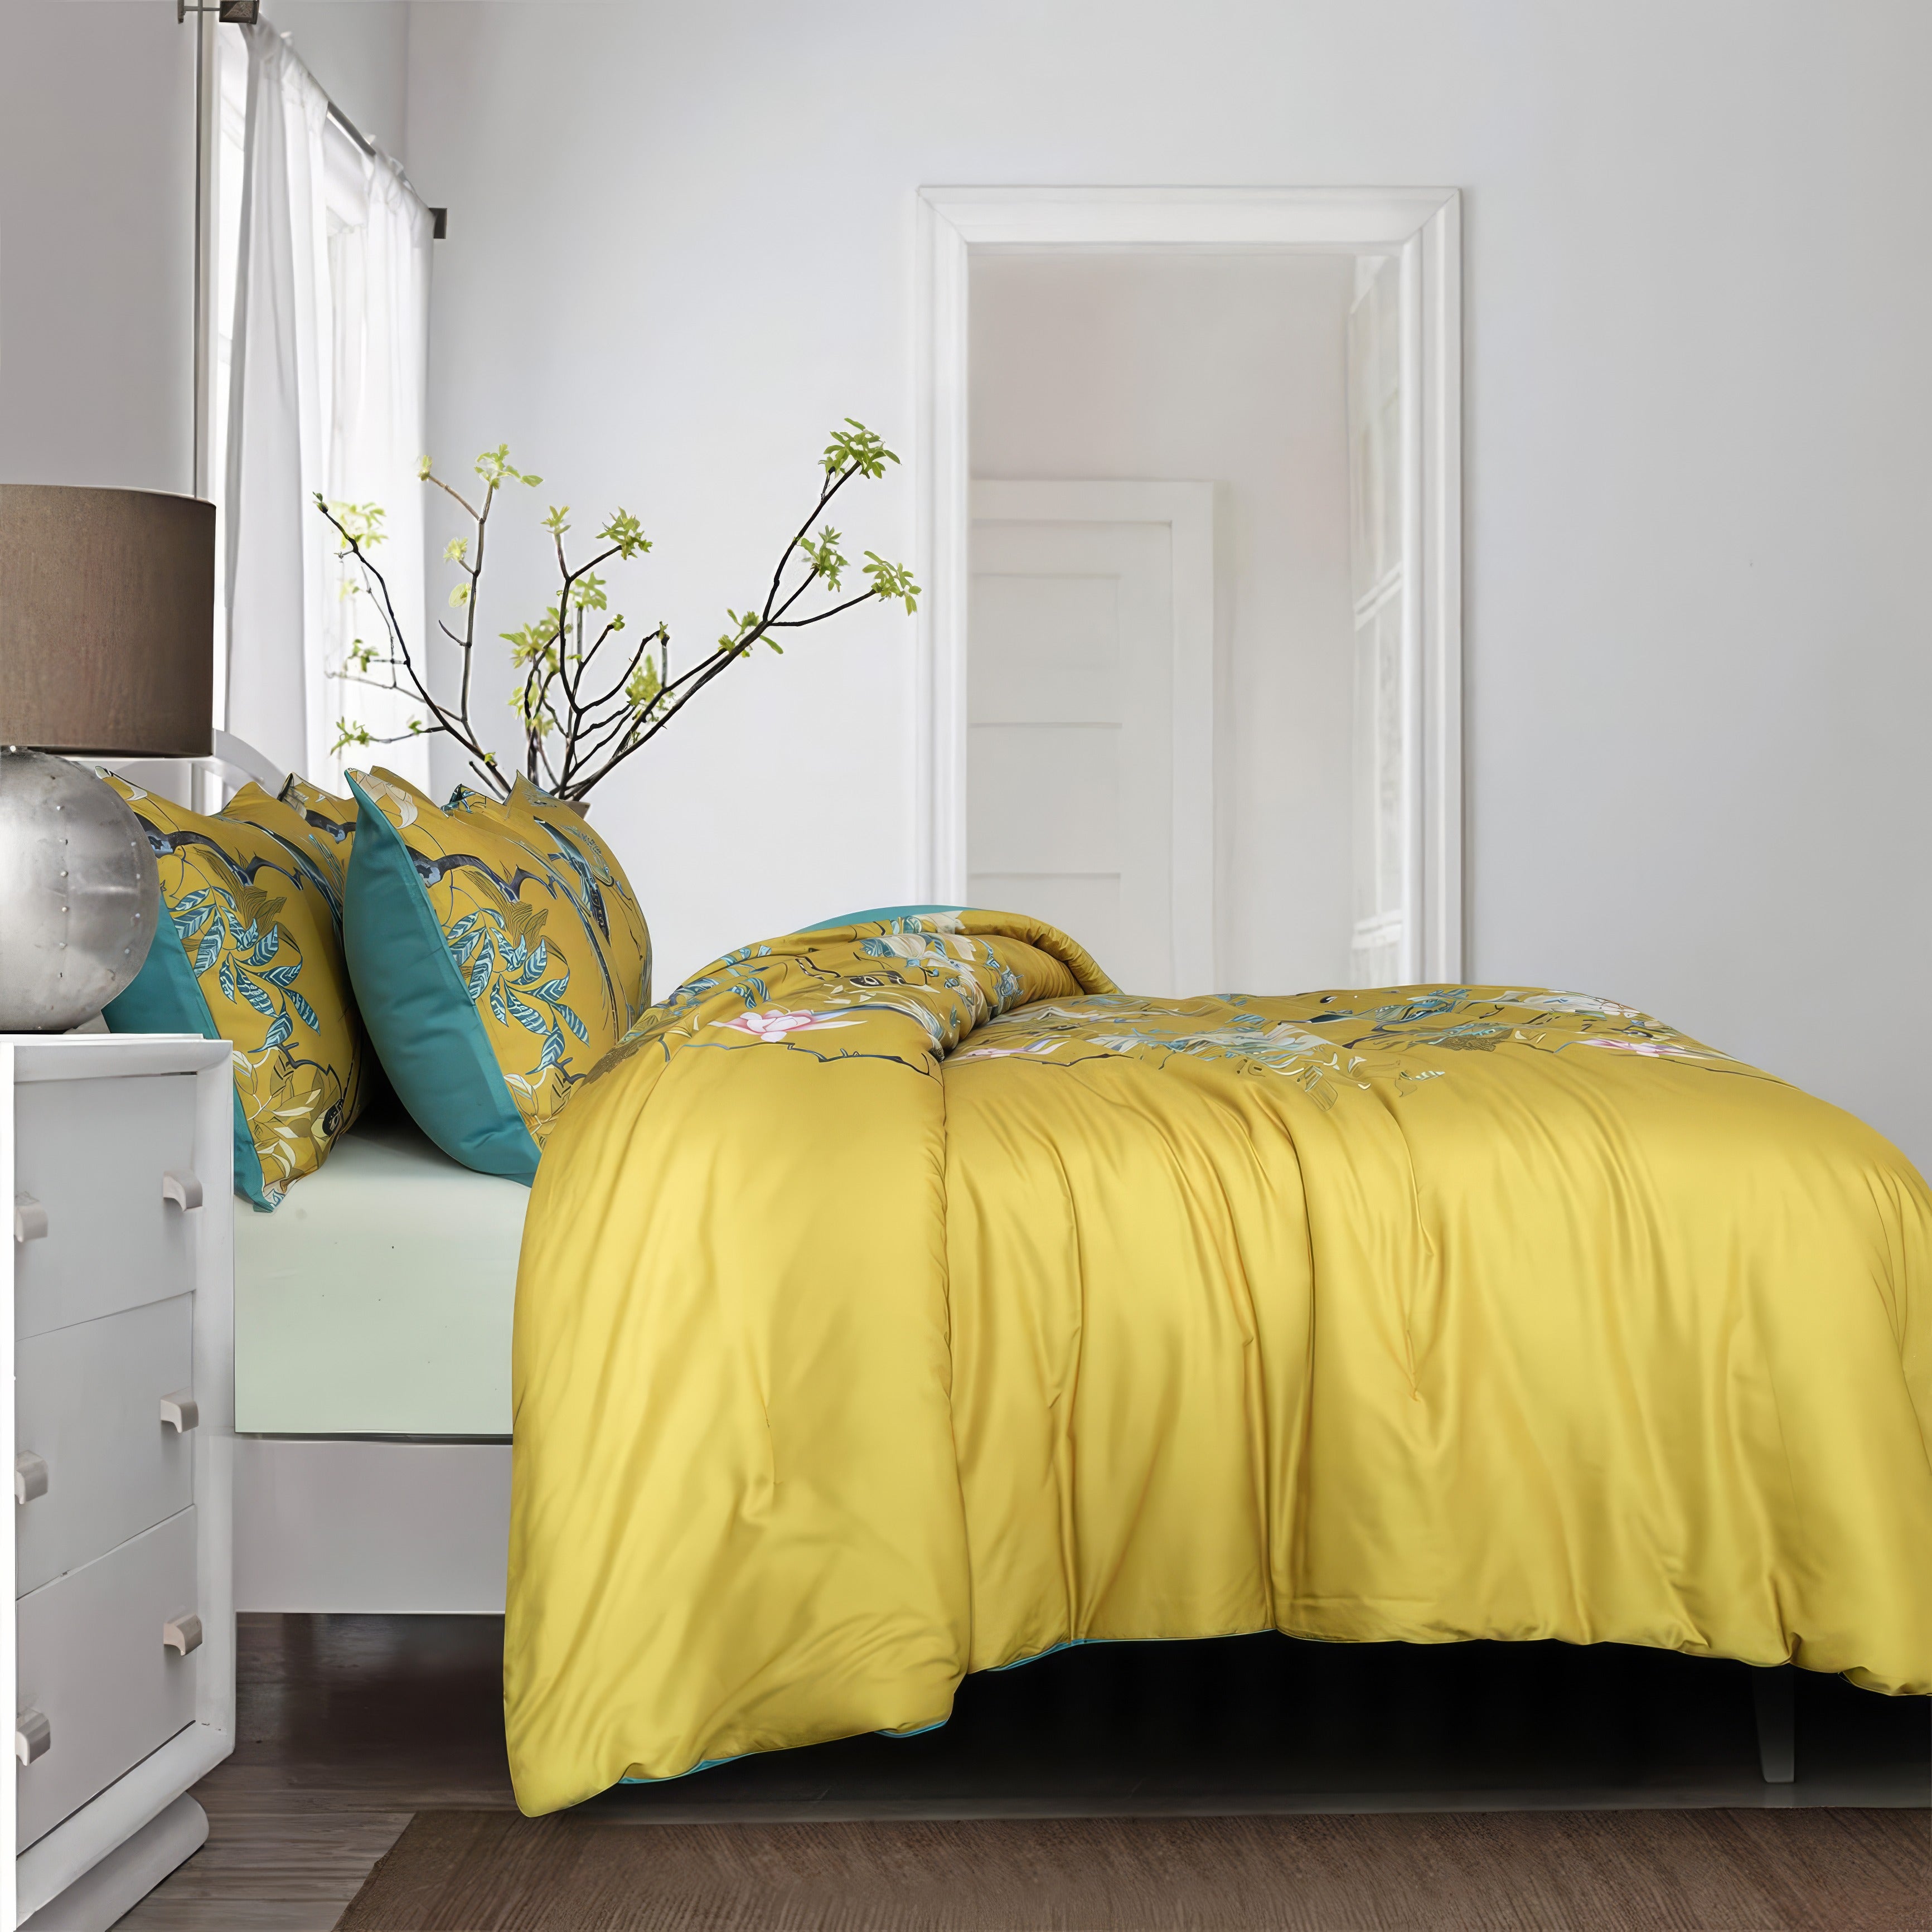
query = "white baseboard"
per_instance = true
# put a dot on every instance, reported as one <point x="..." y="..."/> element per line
<point x="127" y="1874"/>
<point x="349" y="1525"/>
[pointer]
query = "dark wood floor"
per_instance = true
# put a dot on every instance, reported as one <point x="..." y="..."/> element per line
<point x="347" y="1725"/>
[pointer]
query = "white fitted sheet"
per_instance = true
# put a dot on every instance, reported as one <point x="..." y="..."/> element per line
<point x="377" y="1299"/>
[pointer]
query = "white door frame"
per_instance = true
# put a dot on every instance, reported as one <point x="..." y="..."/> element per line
<point x="1187" y="510"/>
<point x="1422" y="226"/>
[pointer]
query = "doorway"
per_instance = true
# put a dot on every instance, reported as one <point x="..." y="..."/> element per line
<point x="1261" y="791"/>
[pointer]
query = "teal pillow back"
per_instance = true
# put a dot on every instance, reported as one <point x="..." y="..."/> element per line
<point x="877" y="915"/>
<point x="417" y="1009"/>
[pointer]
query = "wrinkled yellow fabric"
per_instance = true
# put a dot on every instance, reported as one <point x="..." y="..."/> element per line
<point x="901" y="1300"/>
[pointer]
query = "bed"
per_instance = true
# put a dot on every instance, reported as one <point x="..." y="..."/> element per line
<point x="903" y="1300"/>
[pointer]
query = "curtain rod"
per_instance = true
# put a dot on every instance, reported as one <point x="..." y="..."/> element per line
<point x="350" y="128"/>
<point x="438" y="216"/>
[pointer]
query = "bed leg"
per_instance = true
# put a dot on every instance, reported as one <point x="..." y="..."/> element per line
<point x="1773" y="1692"/>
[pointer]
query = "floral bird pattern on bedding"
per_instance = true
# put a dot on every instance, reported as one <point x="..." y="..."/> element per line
<point x="547" y="939"/>
<point x="253" y="897"/>
<point x="927" y="967"/>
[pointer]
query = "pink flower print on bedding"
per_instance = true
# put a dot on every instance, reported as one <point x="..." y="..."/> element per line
<point x="779" y="1023"/>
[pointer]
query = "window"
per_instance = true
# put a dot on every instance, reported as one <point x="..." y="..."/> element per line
<point x="319" y="342"/>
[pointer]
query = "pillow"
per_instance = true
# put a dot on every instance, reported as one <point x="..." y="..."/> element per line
<point x="498" y="953"/>
<point x="334" y="818"/>
<point x="254" y="955"/>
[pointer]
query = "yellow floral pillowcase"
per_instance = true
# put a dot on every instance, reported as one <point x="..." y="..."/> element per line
<point x="327" y="817"/>
<point x="253" y="954"/>
<point x="497" y="953"/>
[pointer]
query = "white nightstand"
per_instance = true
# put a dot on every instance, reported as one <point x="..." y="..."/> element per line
<point x="119" y="1643"/>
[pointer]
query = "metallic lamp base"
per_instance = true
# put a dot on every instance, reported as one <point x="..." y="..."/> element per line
<point x="80" y="893"/>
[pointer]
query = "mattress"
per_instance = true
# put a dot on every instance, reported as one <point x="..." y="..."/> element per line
<point x="377" y="1299"/>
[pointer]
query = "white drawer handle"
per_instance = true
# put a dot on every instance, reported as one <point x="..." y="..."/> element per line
<point x="30" y="1477"/>
<point x="30" y="1219"/>
<point x="182" y="1634"/>
<point x="33" y="1735"/>
<point x="181" y="1187"/>
<point x="180" y="1411"/>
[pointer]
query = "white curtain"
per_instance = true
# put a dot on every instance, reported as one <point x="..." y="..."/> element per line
<point x="327" y="394"/>
<point x="378" y="253"/>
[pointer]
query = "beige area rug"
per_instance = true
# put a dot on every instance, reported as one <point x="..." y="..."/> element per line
<point x="1514" y="1871"/>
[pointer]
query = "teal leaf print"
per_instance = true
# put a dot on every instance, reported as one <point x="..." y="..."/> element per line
<point x="532" y="1021"/>
<point x="496" y="1005"/>
<point x="307" y="1011"/>
<point x="479" y="979"/>
<point x="257" y="996"/>
<point x="575" y="1024"/>
<point x="225" y="978"/>
<point x="280" y="1034"/>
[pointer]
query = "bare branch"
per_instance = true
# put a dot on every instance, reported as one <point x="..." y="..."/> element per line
<point x="458" y="725"/>
<point x="577" y="727"/>
<point x="819" y="617"/>
<point x="432" y="477"/>
<point x="365" y="737"/>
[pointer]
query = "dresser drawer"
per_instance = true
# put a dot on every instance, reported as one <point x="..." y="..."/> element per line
<point x="94" y="1665"/>
<point x="93" y="1153"/>
<point x="87" y="1403"/>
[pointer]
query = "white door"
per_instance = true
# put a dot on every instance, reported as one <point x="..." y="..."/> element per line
<point x="1383" y="951"/>
<point x="1090" y="710"/>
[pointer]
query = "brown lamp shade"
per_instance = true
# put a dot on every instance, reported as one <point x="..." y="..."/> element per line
<point x="106" y="621"/>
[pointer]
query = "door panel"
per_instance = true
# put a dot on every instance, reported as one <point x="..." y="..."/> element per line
<point x="1046" y="649"/>
<point x="1045" y="799"/>
<point x="1074" y="705"/>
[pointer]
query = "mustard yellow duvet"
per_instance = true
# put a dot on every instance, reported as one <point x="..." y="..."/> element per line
<point x="903" y="1300"/>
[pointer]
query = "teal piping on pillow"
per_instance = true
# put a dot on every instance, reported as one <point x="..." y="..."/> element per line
<point x="875" y="915"/>
<point x="166" y="998"/>
<point x="417" y="1011"/>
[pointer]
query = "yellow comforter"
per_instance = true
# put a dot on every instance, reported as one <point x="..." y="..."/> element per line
<point x="901" y="1300"/>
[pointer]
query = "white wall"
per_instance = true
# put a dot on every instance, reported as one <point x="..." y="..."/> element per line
<point x="97" y="245"/>
<point x="358" y="51"/>
<point x="1230" y="369"/>
<point x="1697" y="394"/>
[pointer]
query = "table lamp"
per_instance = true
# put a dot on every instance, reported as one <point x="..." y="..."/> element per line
<point x="107" y="647"/>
